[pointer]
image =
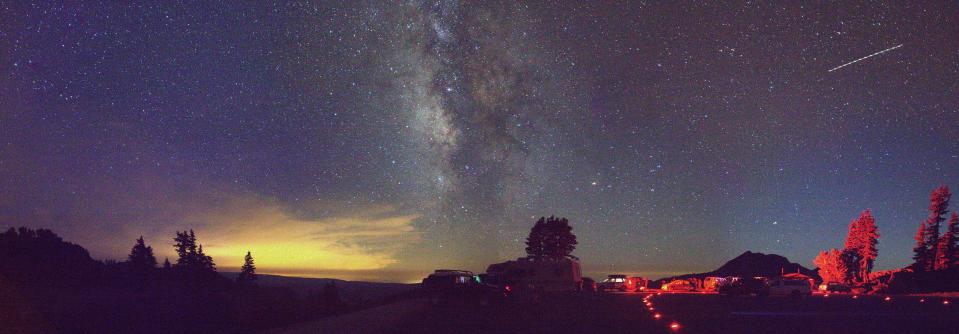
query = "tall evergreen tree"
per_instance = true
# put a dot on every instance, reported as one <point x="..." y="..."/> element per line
<point x="185" y="248"/>
<point x="920" y="252"/>
<point x="535" y="240"/>
<point x="190" y="254"/>
<point x="248" y="270"/>
<point x="861" y="241"/>
<point x="947" y="254"/>
<point x="141" y="256"/>
<point x="559" y="241"/>
<point x="166" y="264"/>
<point x="204" y="261"/>
<point x="938" y="207"/>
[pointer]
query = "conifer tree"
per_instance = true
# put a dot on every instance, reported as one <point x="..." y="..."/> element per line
<point x="947" y="254"/>
<point x="938" y="207"/>
<point x="559" y="241"/>
<point x="920" y="251"/>
<point x="190" y="254"/>
<point x="204" y="261"/>
<point x="248" y="270"/>
<point x="141" y="256"/>
<point x="861" y="241"/>
<point x="534" y="242"/>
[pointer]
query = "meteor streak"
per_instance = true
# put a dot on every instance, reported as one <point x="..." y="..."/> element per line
<point x="874" y="54"/>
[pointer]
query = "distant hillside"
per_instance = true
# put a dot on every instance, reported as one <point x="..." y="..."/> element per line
<point x="350" y="291"/>
<point x="750" y="264"/>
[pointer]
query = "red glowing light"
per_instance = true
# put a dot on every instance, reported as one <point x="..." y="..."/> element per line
<point x="657" y="316"/>
<point x="855" y="297"/>
<point x="945" y="302"/>
<point x="674" y="326"/>
<point x="922" y="300"/>
<point x="826" y="295"/>
<point x="507" y="288"/>
<point x="887" y="299"/>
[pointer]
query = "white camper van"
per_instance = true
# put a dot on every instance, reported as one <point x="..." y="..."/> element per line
<point x="546" y="276"/>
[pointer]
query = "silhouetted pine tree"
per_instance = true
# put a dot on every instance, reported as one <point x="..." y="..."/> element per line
<point x="185" y="247"/>
<point x="141" y="256"/>
<point x="166" y="264"/>
<point x="862" y="240"/>
<point x="559" y="240"/>
<point x="190" y="255"/>
<point x="938" y="207"/>
<point x="535" y="240"/>
<point x="204" y="261"/>
<point x="248" y="271"/>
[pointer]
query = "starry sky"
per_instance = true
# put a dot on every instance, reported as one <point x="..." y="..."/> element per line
<point x="382" y="140"/>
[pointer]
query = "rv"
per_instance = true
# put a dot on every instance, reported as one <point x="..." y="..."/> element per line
<point x="544" y="275"/>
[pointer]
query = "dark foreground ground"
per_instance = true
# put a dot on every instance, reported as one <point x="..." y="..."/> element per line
<point x="817" y="314"/>
<point x="627" y="313"/>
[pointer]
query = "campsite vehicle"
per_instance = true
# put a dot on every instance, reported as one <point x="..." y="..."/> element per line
<point x="617" y="283"/>
<point x="541" y="276"/>
<point x="446" y="286"/>
<point x="789" y="287"/>
<point x="745" y="286"/>
<point x="678" y="285"/>
<point x="712" y="283"/>
<point x="589" y="285"/>
<point x="640" y="283"/>
<point x="834" y="287"/>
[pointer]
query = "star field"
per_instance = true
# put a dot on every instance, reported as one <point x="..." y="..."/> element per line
<point x="416" y="135"/>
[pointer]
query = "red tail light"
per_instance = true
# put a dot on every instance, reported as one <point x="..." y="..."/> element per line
<point x="507" y="288"/>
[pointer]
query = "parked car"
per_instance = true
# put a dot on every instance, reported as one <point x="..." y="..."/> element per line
<point x="617" y="283"/>
<point x="745" y="286"/>
<point x="444" y="287"/>
<point x="678" y="285"/>
<point x="834" y="287"/>
<point x="789" y="287"/>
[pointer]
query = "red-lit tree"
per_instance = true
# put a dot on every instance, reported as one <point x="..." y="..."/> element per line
<point x="920" y="252"/>
<point x="938" y="207"/>
<point x="947" y="252"/>
<point x="833" y="266"/>
<point x="861" y="242"/>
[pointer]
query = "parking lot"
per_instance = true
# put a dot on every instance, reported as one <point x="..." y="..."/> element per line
<point x="834" y="313"/>
<point x="695" y="313"/>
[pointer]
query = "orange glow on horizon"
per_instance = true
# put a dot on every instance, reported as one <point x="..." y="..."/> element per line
<point x="285" y="243"/>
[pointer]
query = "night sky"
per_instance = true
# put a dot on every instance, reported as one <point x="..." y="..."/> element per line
<point x="368" y="140"/>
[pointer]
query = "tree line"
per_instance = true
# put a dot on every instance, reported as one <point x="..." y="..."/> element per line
<point x="190" y="259"/>
<point x="56" y="287"/>
<point x="935" y="250"/>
